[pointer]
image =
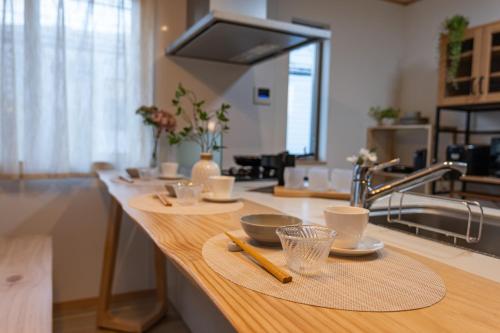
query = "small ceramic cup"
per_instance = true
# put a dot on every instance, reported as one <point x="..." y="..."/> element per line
<point x="221" y="186"/>
<point x="349" y="223"/>
<point x="169" y="169"/>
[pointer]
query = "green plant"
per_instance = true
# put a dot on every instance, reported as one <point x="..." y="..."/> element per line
<point x="454" y="27"/>
<point x="379" y="113"/>
<point x="202" y="126"/>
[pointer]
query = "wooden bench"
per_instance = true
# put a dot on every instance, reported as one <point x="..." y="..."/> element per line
<point x="26" y="284"/>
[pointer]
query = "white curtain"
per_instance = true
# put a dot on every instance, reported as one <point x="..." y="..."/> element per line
<point x="72" y="73"/>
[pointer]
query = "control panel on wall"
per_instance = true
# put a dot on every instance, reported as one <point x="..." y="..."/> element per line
<point x="261" y="96"/>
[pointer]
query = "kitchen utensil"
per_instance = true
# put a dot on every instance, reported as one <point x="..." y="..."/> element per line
<point x="163" y="199"/>
<point x="277" y="163"/>
<point x="349" y="223"/>
<point x="221" y="187"/>
<point x="318" y="179"/>
<point x="169" y="169"/>
<point x="126" y="179"/>
<point x="294" y="177"/>
<point x="262" y="227"/>
<point x="187" y="193"/>
<point x="367" y="245"/>
<point x="306" y="247"/>
<point x="282" y="276"/>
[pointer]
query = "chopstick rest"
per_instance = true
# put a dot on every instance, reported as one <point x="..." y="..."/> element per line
<point x="266" y="264"/>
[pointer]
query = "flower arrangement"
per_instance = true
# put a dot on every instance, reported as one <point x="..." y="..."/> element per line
<point x="204" y="127"/>
<point x="161" y="121"/>
<point x="365" y="157"/>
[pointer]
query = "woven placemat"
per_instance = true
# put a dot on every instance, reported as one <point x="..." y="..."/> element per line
<point x="148" y="203"/>
<point x="384" y="281"/>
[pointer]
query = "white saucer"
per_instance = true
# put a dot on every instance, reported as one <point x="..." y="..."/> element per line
<point x="210" y="198"/>
<point x="173" y="177"/>
<point x="366" y="246"/>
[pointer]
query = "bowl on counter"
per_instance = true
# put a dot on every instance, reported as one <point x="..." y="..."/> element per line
<point x="262" y="227"/>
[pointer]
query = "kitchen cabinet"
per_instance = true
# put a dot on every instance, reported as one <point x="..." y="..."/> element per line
<point x="478" y="76"/>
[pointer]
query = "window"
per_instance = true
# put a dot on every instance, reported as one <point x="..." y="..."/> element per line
<point x="71" y="76"/>
<point x="303" y="107"/>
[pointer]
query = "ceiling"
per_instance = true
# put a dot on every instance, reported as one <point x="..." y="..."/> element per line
<point x="402" y="2"/>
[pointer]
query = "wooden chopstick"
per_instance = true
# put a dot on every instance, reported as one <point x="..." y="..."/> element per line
<point x="163" y="200"/>
<point x="266" y="264"/>
<point x="125" y="179"/>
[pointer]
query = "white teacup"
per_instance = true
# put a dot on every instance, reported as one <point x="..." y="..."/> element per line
<point x="169" y="169"/>
<point x="349" y="223"/>
<point x="221" y="186"/>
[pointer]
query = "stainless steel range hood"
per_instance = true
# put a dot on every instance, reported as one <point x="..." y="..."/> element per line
<point x="239" y="39"/>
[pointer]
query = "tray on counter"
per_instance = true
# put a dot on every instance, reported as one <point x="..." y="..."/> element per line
<point x="281" y="191"/>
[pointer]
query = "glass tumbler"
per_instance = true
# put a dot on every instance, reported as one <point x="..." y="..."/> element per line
<point x="306" y="247"/>
<point x="294" y="177"/>
<point x="318" y="179"/>
<point x="187" y="194"/>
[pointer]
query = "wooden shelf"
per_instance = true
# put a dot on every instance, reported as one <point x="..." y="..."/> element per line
<point x="481" y="179"/>
<point x="495" y="49"/>
<point x="466" y="54"/>
<point x="495" y="74"/>
<point x="401" y="127"/>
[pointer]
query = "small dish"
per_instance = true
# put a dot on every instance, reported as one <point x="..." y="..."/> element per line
<point x="172" y="177"/>
<point x="367" y="245"/>
<point x="262" y="227"/>
<point x="211" y="198"/>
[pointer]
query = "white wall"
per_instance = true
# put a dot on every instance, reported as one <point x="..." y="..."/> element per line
<point x="366" y="46"/>
<point x="419" y="63"/>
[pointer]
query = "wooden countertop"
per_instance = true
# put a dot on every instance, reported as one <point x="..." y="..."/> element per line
<point x="472" y="303"/>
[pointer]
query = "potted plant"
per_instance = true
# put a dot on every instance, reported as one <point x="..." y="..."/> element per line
<point x="455" y="28"/>
<point x="161" y="121"/>
<point x="384" y="116"/>
<point x="202" y="126"/>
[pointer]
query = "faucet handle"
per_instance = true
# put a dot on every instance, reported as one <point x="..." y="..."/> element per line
<point x="382" y="166"/>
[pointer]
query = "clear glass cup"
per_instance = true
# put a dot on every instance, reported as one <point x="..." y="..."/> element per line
<point x="318" y="179"/>
<point x="147" y="173"/>
<point x="306" y="247"/>
<point x="187" y="194"/>
<point x="294" y="177"/>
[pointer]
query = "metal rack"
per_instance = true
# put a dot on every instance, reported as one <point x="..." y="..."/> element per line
<point x="467" y="204"/>
<point x="468" y="110"/>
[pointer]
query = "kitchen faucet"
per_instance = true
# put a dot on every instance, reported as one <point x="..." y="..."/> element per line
<point x="363" y="193"/>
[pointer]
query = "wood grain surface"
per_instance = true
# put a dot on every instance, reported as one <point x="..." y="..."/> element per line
<point x="26" y="284"/>
<point x="472" y="303"/>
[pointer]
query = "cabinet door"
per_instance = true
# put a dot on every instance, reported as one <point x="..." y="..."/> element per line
<point x="489" y="82"/>
<point x="464" y="89"/>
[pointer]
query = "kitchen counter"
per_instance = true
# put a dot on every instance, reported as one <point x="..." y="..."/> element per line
<point x="472" y="302"/>
<point x="311" y="209"/>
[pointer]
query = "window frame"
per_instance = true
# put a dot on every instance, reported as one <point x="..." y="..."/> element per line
<point x="315" y="139"/>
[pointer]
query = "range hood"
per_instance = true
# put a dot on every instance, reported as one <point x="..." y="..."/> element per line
<point x="230" y="37"/>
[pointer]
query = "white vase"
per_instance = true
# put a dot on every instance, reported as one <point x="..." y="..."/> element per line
<point x="203" y="169"/>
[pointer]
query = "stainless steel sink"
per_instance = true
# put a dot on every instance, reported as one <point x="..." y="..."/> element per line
<point x="452" y="220"/>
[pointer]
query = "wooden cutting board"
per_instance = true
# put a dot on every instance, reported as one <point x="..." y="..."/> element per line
<point x="281" y="191"/>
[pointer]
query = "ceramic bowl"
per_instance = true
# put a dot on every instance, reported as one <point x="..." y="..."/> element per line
<point x="262" y="227"/>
